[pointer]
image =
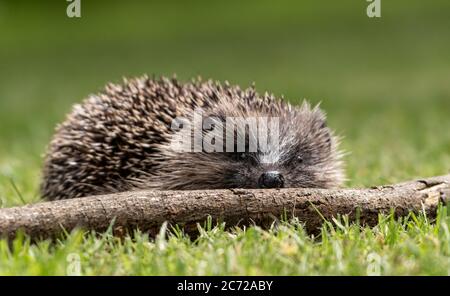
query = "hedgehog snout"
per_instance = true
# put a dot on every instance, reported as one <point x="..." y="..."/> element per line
<point x="271" y="179"/>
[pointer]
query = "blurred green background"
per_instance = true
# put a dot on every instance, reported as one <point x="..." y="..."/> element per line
<point x="385" y="83"/>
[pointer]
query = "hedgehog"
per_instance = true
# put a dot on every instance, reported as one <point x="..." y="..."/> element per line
<point x="122" y="139"/>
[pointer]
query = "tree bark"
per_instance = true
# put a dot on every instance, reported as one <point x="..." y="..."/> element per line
<point x="148" y="210"/>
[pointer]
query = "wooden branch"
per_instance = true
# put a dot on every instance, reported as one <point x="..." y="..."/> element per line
<point x="148" y="210"/>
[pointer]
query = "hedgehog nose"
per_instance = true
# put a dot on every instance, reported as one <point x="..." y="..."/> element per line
<point x="271" y="179"/>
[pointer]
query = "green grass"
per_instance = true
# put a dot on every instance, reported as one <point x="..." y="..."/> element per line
<point x="384" y="84"/>
<point x="409" y="246"/>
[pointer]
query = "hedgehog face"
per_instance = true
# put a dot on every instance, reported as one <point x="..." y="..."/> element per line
<point x="303" y="155"/>
<point x="301" y="160"/>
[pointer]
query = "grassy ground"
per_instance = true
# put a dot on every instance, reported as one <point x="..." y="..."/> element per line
<point x="384" y="83"/>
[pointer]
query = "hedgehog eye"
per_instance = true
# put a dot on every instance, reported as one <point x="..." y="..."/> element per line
<point x="300" y="159"/>
<point x="240" y="156"/>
